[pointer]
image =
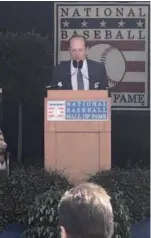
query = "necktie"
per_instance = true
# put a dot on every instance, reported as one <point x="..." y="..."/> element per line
<point x="80" y="80"/>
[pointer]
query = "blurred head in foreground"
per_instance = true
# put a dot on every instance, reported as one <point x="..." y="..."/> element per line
<point x="86" y="212"/>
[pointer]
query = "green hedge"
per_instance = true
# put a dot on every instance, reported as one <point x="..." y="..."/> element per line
<point x="43" y="216"/>
<point x="21" y="188"/>
<point x="34" y="194"/>
<point x="134" y="186"/>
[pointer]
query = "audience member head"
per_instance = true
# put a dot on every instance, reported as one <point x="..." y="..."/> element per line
<point x="86" y="212"/>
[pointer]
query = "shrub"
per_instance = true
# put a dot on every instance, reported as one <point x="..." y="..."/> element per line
<point x="121" y="216"/>
<point x="129" y="191"/>
<point x="132" y="188"/>
<point x="43" y="215"/>
<point x="134" y="185"/>
<point x="21" y="188"/>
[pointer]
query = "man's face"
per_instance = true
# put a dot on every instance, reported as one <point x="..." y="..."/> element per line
<point x="77" y="49"/>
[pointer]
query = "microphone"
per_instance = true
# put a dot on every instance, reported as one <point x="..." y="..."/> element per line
<point x="77" y="64"/>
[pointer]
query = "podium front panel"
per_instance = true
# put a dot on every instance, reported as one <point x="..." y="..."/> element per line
<point x="77" y="148"/>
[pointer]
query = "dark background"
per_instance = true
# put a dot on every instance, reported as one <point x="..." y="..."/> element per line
<point x="130" y="129"/>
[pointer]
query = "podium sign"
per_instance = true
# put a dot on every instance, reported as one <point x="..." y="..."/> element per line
<point x="77" y="110"/>
<point x="77" y="132"/>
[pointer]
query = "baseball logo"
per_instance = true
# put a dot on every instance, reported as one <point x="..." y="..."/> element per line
<point x="56" y="112"/>
<point x="113" y="60"/>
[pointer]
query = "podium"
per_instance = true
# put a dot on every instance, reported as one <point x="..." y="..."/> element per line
<point x="77" y="136"/>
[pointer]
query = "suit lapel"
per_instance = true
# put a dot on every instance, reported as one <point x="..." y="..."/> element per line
<point x="91" y="75"/>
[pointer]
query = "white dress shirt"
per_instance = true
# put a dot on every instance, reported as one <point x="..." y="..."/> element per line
<point x="85" y="75"/>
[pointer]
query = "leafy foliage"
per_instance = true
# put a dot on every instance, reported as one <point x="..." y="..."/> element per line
<point x="121" y="216"/>
<point x="22" y="187"/>
<point x="36" y="194"/>
<point x="130" y="193"/>
<point x="134" y="185"/>
<point x="24" y="65"/>
<point x="124" y="190"/>
<point x="43" y="215"/>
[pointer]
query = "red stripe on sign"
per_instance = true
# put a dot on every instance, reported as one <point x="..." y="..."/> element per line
<point x="51" y="115"/>
<point x="52" y="109"/>
<point x="60" y="113"/>
<point x="49" y="109"/>
<point x="129" y="87"/>
<point x="121" y="45"/>
<point x="56" y="107"/>
<point x="135" y="66"/>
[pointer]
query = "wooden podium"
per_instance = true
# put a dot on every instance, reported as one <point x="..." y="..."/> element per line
<point x="77" y="148"/>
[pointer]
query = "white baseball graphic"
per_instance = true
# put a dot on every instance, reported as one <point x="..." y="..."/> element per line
<point x="56" y="112"/>
<point x="113" y="60"/>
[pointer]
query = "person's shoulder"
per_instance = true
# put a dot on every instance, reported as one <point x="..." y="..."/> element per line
<point x="95" y="63"/>
<point x="62" y="64"/>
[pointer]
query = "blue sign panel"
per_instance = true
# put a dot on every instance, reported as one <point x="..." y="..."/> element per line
<point x="87" y="110"/>
<point x="77" y="110"/>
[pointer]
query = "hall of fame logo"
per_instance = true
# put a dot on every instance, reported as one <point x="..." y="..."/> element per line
<point x="117" y="35"/>
<point x="55" y="110"/>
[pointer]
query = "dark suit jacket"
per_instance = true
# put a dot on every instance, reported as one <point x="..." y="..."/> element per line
<point x="141" y="229"/>
<point x="13" y="231"/>
<point x="62" y="73"/>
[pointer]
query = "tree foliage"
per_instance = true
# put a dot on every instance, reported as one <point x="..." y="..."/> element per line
<point x="24" y="66"/>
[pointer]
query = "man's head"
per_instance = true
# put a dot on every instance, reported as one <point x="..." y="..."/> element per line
<point x="85" y="212"/>
<point x="77" y="47"/>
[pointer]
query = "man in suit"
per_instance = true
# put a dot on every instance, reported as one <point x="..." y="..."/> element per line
<point x="79" y="73"/>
